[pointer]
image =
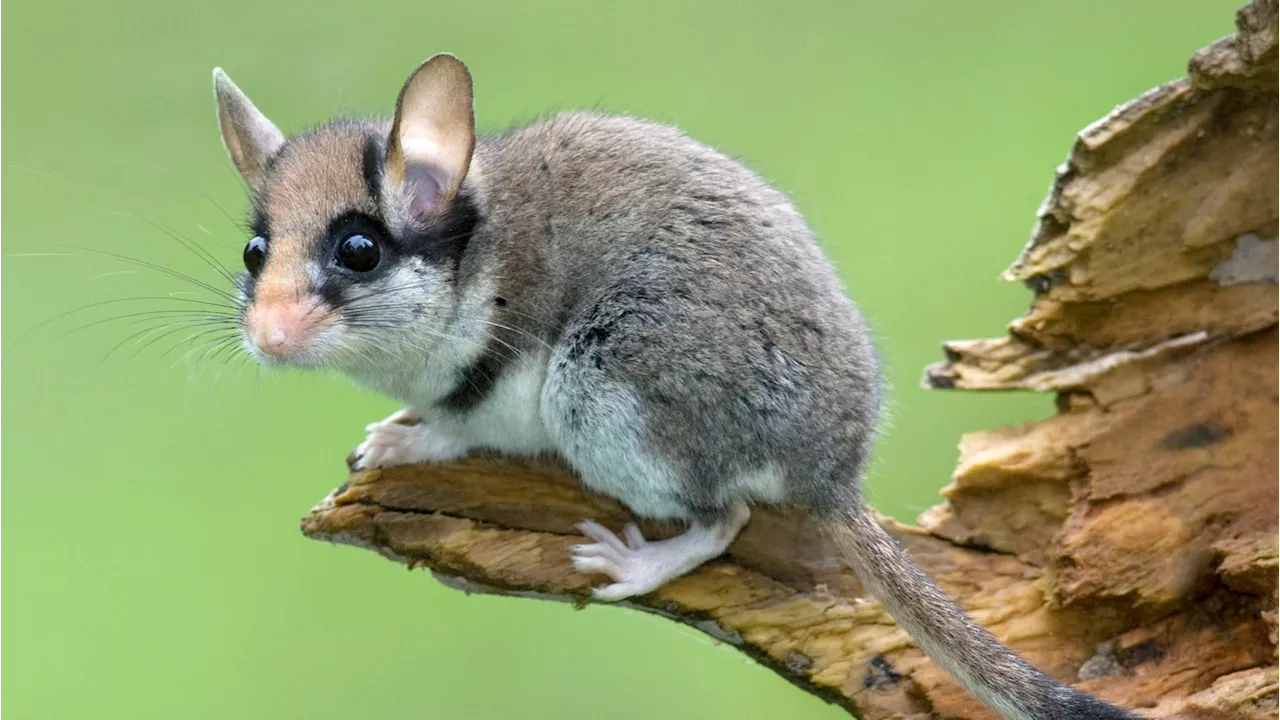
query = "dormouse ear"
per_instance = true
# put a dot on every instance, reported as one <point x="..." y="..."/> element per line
<point x="433" y="136"/>
<point x="251" y="139"/>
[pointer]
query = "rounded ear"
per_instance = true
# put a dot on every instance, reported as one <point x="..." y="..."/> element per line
<point x="433" y="136"/>
<point x="250" y="138"/>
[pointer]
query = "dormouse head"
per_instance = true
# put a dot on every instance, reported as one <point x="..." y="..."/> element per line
<point x="357" y="227"/>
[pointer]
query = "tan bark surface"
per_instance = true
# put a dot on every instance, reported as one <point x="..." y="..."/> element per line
<point x="1127" y="545"/>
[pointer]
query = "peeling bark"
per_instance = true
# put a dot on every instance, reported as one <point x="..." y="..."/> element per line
<point x="1127" y="545"/>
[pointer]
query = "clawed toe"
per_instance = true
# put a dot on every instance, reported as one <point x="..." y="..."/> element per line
<point x="617" y="591"/>
<point x="402" y="439"/>
<point x="637" y="566"/>
<point x="623" y="562"/>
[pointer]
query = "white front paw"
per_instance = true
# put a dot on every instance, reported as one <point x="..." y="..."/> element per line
<point x="403" y="439"/>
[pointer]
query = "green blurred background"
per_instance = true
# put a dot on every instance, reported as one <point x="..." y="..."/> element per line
<point x="151" y="547"/>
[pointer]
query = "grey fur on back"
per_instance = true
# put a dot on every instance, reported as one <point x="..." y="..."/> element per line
<point x="661" y="264"/>
<point x="685" y="295"/>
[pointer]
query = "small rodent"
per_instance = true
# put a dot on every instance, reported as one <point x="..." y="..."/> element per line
<point x="606" y="290"/>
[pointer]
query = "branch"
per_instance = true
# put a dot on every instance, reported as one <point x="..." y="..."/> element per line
<point x="1128" y="544"/>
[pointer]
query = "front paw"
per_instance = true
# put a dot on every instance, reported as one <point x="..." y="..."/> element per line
<point x="403" y="439"/>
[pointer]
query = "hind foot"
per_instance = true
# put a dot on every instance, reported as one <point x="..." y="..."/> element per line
<point x="638" y="566"/>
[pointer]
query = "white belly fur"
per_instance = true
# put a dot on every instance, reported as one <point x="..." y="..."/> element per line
<point x="508" y="420"/>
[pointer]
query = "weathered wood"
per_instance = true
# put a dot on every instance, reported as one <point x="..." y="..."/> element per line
<point x="1127" y="544"/>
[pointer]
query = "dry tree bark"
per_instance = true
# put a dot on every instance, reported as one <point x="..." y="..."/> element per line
<point x="1127" y="544"/>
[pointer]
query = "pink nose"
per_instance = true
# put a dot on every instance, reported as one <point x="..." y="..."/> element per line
<point x="274" y="340"/>
<point x="280" y="329"/>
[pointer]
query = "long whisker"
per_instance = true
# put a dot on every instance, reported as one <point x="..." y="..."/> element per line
<point x="43" y="323"/>
<point x="213" y="345"/>
<point x="164" y="330"/>
<point x="159" y="268"/>
<point x="113" y="273"/>
<point x="435" y="331"/>
<point x="415" y="285"/>
<point x="510" y="328"/>
<point x="193" y="247"/>
<point x="216" y="331"/>
<point x="382" y="313"/>
<point x="134" y="337"/>
<point x="226" y="355"/>
<point x="151" y="314"/>
<point x="211" y="336"/>
<point x="239" y="225"/>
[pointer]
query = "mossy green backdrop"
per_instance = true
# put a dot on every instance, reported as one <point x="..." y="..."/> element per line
<point x="153" y="566"/>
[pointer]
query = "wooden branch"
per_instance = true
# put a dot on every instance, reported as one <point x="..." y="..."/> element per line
<point x="1127" y="544"/>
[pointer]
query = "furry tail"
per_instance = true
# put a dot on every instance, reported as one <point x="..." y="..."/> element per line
<point x="992" y="672"/>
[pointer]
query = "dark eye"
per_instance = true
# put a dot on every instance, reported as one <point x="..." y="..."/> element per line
<point x="255" y="254"/>
<point x="359" y="253"/>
